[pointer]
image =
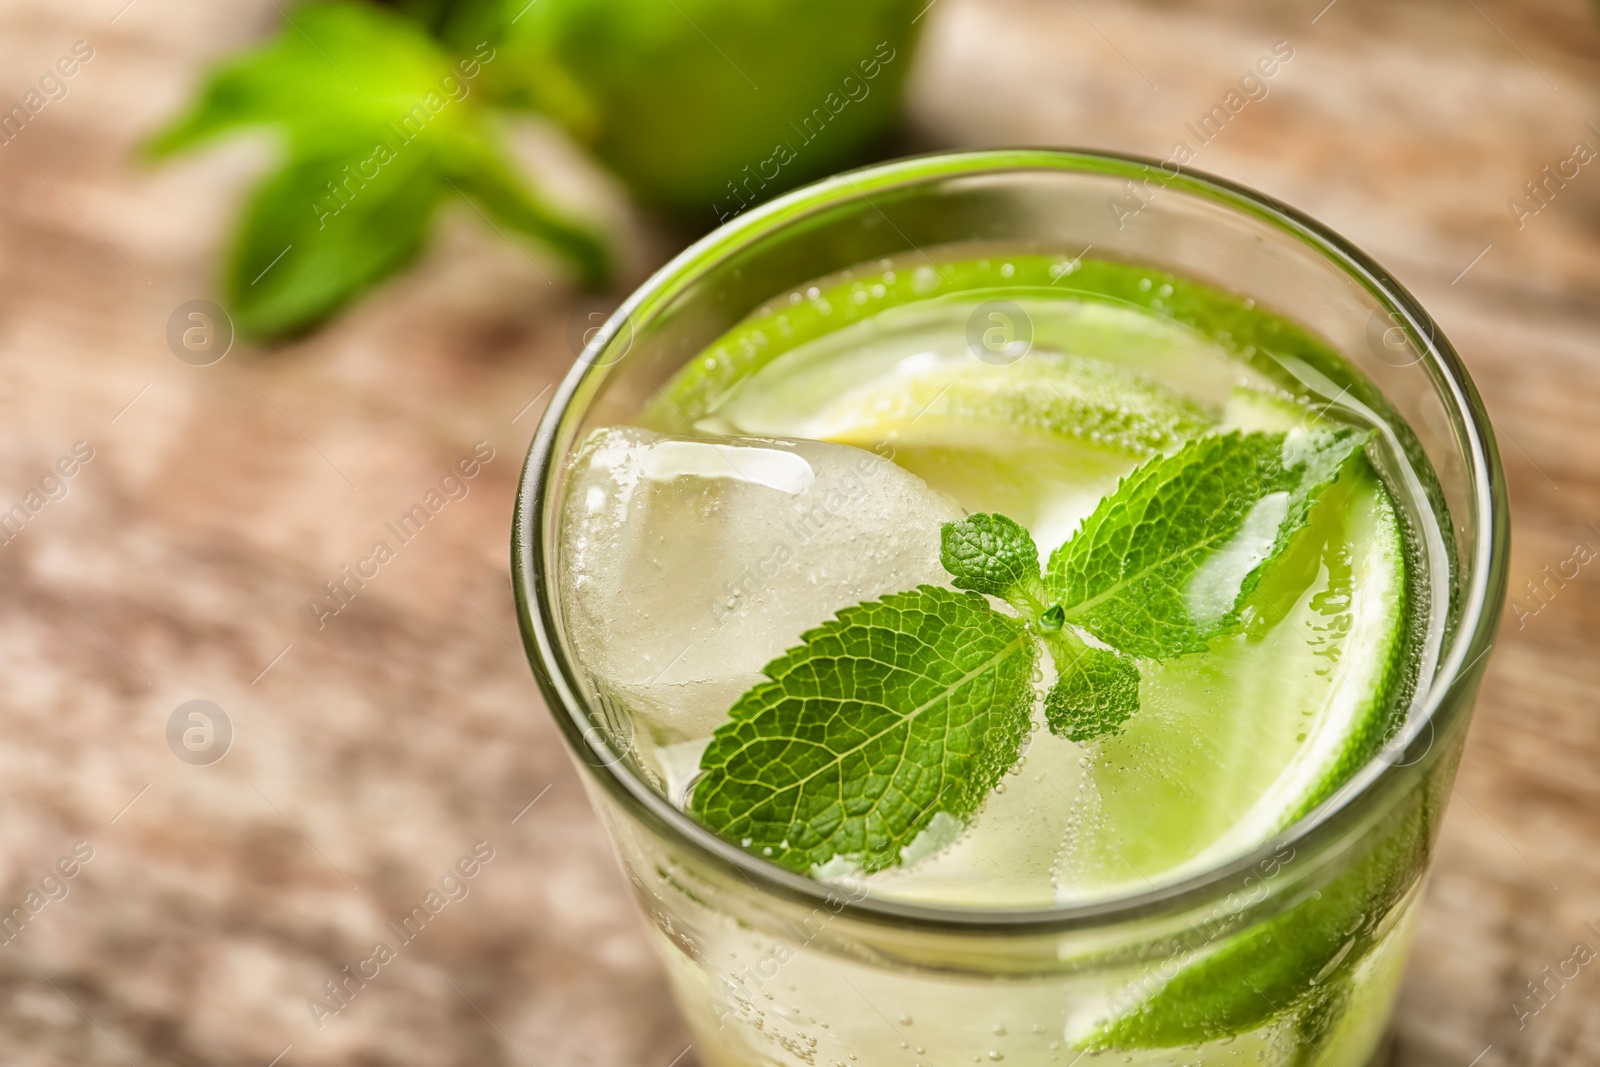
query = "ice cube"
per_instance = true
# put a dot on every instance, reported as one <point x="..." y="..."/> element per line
<point x="688" y="563"/>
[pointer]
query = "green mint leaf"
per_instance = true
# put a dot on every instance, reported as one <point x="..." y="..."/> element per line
<point x="890" y="713"/>
<point x="994" y="556"/>
<point x="1315" y="461"/>
<point x="289" y="271"/>
<point x="334" y="76"/>
<point x="485" y="176"/>
<point x="1162" y="564"/>
<point x="1096" y="691"/>
<point x="378" y="125"/>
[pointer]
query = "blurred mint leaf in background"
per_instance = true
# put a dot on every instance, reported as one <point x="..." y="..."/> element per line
<point x="379" y="124"/>
<point x="703" y="107"/>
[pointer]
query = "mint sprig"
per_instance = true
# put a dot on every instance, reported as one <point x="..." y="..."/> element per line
<point x="1096" y="690"/>
<point x="901" y="708"/>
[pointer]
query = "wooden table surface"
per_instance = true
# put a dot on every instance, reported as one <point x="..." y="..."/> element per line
<point x="369" y="756"/>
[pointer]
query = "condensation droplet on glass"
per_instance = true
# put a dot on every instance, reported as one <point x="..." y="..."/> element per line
<point x="1007" y="270"/>
<point x="1145" y="285"/>
<point x="906" y="1020"/>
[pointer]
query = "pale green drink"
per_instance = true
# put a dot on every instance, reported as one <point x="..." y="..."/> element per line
<point x="979" y="587"/>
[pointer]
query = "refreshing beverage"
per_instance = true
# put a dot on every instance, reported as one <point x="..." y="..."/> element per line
<point x="991" y="651"/>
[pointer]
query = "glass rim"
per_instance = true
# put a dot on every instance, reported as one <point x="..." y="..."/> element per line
<point x="1476" y="618"/>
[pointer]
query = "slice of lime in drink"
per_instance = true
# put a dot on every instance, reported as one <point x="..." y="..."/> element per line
<point x="1039" y="438"/>
<point x="1232" y="745"/>
<point x="1281" y="968"/>
<point x="1202" y="774"/>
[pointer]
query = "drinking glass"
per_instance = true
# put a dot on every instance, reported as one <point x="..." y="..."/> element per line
<point x="774" y="968"/>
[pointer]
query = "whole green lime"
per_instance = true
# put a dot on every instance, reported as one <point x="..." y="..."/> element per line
<point x="707" y="106"/>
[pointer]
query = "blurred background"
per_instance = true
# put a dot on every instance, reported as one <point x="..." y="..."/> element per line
<point x="229" y="362"/>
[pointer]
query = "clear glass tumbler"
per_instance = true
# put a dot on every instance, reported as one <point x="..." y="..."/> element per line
<point x="772" y="968"/>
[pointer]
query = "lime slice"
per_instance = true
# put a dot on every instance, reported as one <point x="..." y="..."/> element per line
<point x="1232" y="745"/>
<point x="1197" y="317"/>
<point x="1041" y="439"/>
<point x="1266" y="411"/>
<point x="1284" y="967"/>
<point x="1201" y="775"/>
